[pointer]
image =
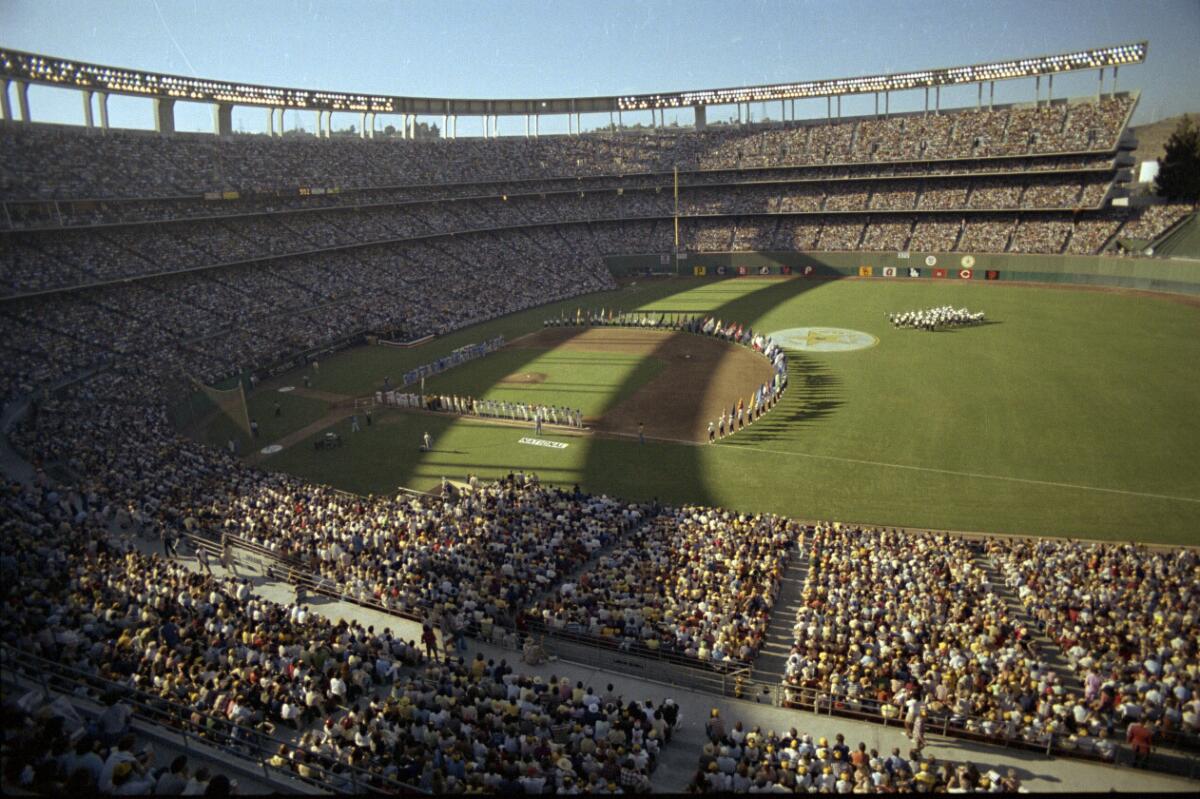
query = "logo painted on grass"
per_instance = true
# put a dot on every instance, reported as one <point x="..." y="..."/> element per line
<point x="541" y="442"/>
<point x="823" y="339"/>
<point x="271" y="449"/>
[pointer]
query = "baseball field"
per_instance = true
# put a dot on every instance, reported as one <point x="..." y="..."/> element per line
<point x="1071" y="413"/>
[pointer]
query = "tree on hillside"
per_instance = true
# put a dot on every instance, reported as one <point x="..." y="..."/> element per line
<point x="1179" y="169"/>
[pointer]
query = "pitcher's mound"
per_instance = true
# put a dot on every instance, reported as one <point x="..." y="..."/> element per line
<point x="525" y="377"/>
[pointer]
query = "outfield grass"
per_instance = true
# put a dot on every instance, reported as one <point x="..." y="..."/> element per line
<point x="1072" y="414"/>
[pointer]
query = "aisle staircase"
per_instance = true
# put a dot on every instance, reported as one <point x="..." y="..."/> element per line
<point x="777" y="645"/>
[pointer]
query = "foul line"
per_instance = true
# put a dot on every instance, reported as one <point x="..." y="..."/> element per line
<point x="965" y="474"/>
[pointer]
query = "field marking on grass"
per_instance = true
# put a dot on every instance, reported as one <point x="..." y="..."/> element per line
<point x="976" y="475"/>
<point x="965" y="474"/>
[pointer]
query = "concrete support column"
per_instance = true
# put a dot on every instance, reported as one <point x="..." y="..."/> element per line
<point x="876" y="103"/>
<point x="362" y="124"/>
<point x="1114" y="86"/>
<point x="1037" y="90"/>
<point x="445" y="122"/>
<point x="1100" y="91"/>
<point x="839" y="106"/>
<point x="569" y="124"/>
<point x="927" y="101"/>
<point x="23" y="100"/>
<point x="537" y="125"/>
<point x="937" y="99"/>
<point x="1050" y="89"/>
<point x="87" y="108"/>
<point x="164" y="115"/>
<point x="372" y="124"/>
<point x="454" y="122"/>
<point x="5" y="105"/>
<point x="991" y="94"/>
<point x="701" y="117"/>
<point x="979" y="102"/>
<point x="783" y="110"/>
<point x="412" y="126"/>
<point x="270" y="121"/>
<point x="793" y="110"/>
<point x="828" y="108"/>
<point x="279" y="127"/>
<point x="620" y="119"/>
<point x="578" y="123"/>
<point x="222" y="119"/>
<point x="887" y="103"/>
<point x="320" y="123"/>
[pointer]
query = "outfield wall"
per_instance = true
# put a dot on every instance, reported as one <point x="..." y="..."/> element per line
<point x="1150" y="274"/>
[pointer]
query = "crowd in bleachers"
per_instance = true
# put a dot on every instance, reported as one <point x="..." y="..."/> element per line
<point x="697" y="582"/>
<point x="32" y="261"/>
<point x="355" y="697"/>
<point x="741" y="760"/>
<point x="1126" y="619"/>
<point x="58" y="162"/>
<point x="902" y="625"/>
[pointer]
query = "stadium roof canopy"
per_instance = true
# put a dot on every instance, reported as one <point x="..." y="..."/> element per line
<point x="26" y="68"/>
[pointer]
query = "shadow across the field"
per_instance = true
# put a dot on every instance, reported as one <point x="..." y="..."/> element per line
<point x="635" y="472"/>
<point x="814" y="394"/>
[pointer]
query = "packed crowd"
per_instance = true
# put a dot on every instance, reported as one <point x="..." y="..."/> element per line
<point x="50" y="259"/>
<point x="697" y="582"/>
<point x="335" y="696"/>
<point x="64" y="213"/>
<point x="934" y="318"/>
<point x="59" y="162"/>
<point x="1126" y="619"/>
<point x="899" y="625"/>
<point x="741" y="760"/>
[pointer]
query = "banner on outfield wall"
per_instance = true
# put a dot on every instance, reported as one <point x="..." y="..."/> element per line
<point x="785" y="270"/>
<point x="764" y="270"/>
<point x="939" y="272"/>
<point x="699" y="271"/>
<point x="865" y="271"/>
<point x="991" y="274"/>
<point x="914" y="271"/>
<point x="965" y="274"/>
<point x="720" y="270"/>
<point x="889" y="271"/>
<point x="743" y="271"/>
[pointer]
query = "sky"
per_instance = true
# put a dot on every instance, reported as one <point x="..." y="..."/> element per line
<point x="560" y="48"/>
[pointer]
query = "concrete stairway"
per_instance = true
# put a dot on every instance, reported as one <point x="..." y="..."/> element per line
<point x="772" y="657"/>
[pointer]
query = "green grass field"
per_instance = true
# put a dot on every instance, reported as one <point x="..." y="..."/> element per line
<point x="1073" y="414"/>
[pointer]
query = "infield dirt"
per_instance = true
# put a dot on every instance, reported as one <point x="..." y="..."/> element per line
<point x="702" y="376"/>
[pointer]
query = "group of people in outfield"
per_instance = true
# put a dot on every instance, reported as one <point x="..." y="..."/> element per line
<point x="491" y="409"/>
<point x="934" y="318"/>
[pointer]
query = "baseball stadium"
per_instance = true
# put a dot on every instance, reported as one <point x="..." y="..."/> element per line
<point x="778" y="450"/>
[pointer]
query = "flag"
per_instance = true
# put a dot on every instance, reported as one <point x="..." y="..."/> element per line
<point x="991" y="274"/>
<point x="889" y="271"/>
<point x="865" y="271"/>
<point x="914" y="271"/>
<point x="965" y="274"/>
<point x="939" y="272"/>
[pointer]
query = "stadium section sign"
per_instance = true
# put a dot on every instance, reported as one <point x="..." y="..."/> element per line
<point x="823" y="339"/>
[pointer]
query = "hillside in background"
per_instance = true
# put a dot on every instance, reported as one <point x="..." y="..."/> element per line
<point x="1152" y="137"/>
